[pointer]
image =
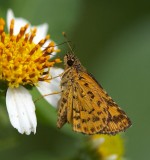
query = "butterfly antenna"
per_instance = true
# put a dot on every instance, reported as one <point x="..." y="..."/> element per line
<point x="64" y="34"/>
<point x="62" y="43"/>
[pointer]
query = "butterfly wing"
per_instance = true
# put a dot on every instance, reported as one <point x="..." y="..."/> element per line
<point x="93" y="110"/>
<point x="89" y="109"/>
<point x="65" y="107"/>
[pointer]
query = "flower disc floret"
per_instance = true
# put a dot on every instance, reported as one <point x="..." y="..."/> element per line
<point x="21" y="60"/>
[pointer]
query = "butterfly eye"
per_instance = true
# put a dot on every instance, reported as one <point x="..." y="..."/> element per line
<point x="70" y="62"/>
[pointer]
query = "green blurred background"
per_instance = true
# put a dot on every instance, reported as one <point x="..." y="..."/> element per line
<point x="112" y="40"/>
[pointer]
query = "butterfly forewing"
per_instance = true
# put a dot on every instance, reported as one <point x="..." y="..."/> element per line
<point x="85" y="104"/>
<point x="105" y="113"/>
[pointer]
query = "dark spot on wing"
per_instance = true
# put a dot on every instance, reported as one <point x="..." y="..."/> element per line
<point x="78" y="126"/>
<point x="64" y="100"/>
<point x="92" y="129"/>
<point x="120" y="111"/>
<point x="90" y="94"/>
<point x="98" y="103"/>
<point x="86" y="84"/>
<point x="104" y="120"/>
<point x="91" y="111"/>
<point x="95" y="118"/>
<point x="80" y="78"/>
<point x="75" y="110"/>
<point x="118" y="118"/>
<point x="83" y="120"/>
<point x="76" y="117"/>
<point x="88" y="119"/>
<point x="105" y="110"/>
<point x="99" y="112"/>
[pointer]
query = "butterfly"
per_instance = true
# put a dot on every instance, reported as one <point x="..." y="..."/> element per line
<point x="85" y="104"/>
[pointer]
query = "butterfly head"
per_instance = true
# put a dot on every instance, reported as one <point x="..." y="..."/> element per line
<point x="70" y="60"/>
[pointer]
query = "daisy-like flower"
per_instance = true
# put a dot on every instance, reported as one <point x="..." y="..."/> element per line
<point x="108" y="147"/>
<point x="25" y="60"/>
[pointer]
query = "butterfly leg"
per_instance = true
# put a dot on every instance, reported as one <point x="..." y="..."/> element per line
<point x="46" y="95"/>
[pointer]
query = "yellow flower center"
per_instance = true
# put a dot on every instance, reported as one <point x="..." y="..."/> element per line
<point x="108" y="146"/>
<point x="21" y="60"/>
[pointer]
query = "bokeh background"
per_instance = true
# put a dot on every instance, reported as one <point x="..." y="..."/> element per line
<point x="112" y="40"/>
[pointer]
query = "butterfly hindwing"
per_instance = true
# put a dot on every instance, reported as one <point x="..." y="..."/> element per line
<point x="65" y="107"/>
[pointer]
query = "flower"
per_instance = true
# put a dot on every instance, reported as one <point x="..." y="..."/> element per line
<point x="108" y="147"/>
<point x="25" y="60"/>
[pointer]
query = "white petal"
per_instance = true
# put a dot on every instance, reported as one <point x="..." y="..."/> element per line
<point x="53" y="86"/>
<point x="112" y="157"/>
<point x="19" y="22"/>
<point x="21" y="110"/>
<point x="98" y="141"/>
<point x="41" y="32"/>
<point x="10" y="16"/>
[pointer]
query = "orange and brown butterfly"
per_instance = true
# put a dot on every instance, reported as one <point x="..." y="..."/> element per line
<point x="85" y="104"/>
